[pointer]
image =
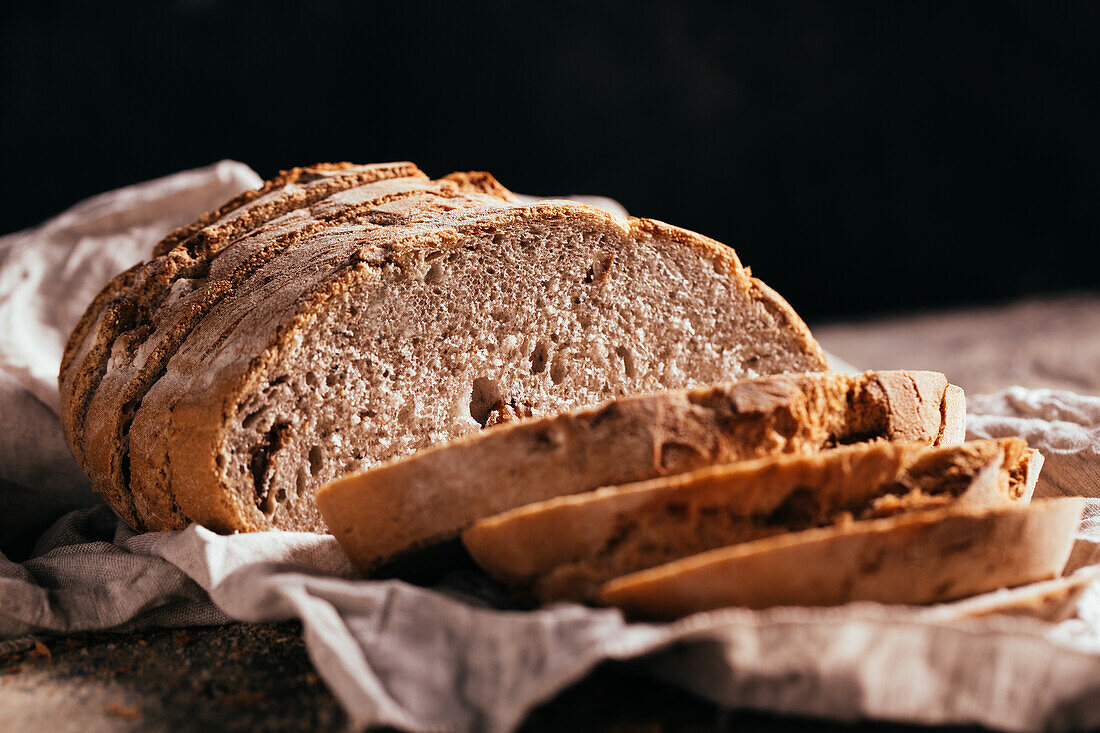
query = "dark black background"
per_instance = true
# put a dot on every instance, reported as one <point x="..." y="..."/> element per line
<point x="860" y="157"/>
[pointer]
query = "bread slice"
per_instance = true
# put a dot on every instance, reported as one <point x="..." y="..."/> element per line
<point x="348" y="315"/>
<point x="566" y="548"/>
<point x="913" y="558"/>
<point x="434" y="495"/>
<point x="110" y="338"/>
<point x="126" y="385"/>
<point x="1048" y="600"/>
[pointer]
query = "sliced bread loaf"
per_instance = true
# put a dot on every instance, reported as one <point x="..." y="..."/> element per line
<point x="348" y="315"/>
<point x="435" y="494"/>
<point x="121" y="345"/>
<point x="566" y="548"/>
<point x="914" y="558"/>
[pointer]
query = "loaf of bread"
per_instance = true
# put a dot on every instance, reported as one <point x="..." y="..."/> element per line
<point x="913" y="558"/>
<point x="566" y="548"/>
<point x="424" y="499"/>
<point x="343" y="316"/>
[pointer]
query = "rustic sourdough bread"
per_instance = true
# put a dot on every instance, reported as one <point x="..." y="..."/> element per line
<point x="432" y="496"/>
<point x="347" y="315"/>
<point x="121" y="345"/>
<point x="566" y="548"/>
<point x="915" y="558"/>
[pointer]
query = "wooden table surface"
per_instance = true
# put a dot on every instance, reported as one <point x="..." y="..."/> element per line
<point x="255" y="677"/>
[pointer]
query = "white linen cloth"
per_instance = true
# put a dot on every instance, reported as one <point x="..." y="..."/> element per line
<point x="451" y="657"/>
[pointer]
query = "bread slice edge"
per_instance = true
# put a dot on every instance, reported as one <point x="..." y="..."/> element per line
<point x="921" y="558"/>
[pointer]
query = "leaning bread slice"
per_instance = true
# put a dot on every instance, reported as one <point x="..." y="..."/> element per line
<point x="914" y="558"/>
<point x="565" y="548"/>
<point x="435" y="494"/>
<point x="1048" y="600"/>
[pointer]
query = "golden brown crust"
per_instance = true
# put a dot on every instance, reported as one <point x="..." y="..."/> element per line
<point x="67" y="377"/>
<point x="181" y="235"/>
<point x="480" y="182"/>
<point x="118" y="284"/>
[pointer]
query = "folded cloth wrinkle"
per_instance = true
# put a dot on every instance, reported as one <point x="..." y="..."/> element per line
<point x="453" y="657"/>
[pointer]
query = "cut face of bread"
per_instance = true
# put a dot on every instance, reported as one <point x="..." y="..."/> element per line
<point x="121" y="345"/>
<point x="437" y="493"/>
<point x="913" y="558"/>
<point x="348" y="315"/>
<point x="566" y="548"/>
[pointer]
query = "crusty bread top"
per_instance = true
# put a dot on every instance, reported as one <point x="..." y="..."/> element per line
<point x="433" y="495"/>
